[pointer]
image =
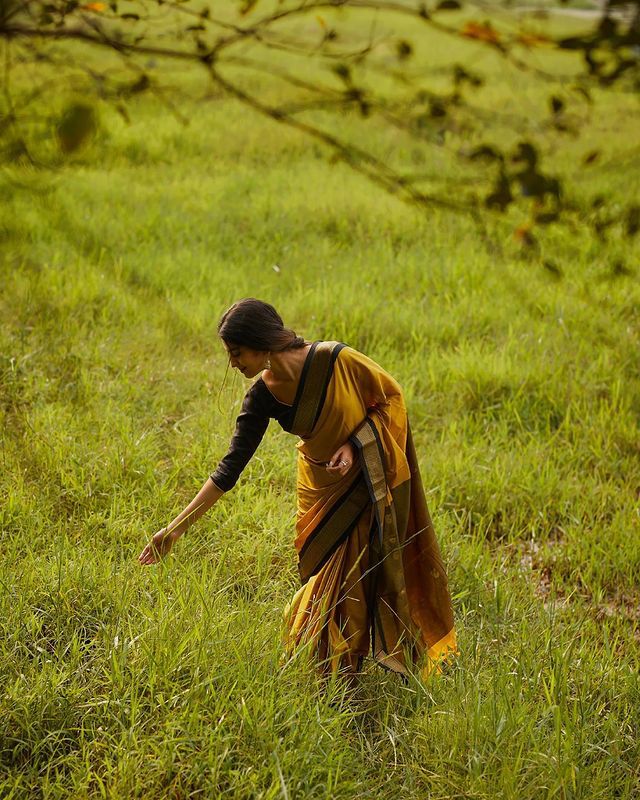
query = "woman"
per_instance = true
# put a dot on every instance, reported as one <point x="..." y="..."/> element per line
<point x="371" y="572"/>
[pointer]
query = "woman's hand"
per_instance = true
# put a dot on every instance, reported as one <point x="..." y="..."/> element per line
<point x="160" y="544"/>
<point x="163" y="540"/>
<point x="342" y="460"/>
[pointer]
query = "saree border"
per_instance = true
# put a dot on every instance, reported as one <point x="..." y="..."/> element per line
<point x="338" y="346"/>
<point x="372" y="470"/>
<point x="387" y="547"/>
<point x="333" y="529"/>
<point x="364" y="439"/>
<point x="303" y="377"/>
<point x="313" y="386"/>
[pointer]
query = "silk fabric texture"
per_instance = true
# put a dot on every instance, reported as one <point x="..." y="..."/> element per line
<point x="372" y="575"/>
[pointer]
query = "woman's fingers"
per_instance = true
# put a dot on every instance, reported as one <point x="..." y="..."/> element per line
<point x="339" y="466"/>
<point x="342" y="460"/>
<point x="160" y="544"/>
<point x="148" y="555"/>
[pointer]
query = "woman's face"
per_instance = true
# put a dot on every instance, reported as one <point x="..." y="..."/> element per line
<point x="247" y="361"/>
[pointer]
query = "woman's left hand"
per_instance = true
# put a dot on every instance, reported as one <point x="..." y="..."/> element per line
<point x="159" y="546"/>
<point x="342" y="460"/>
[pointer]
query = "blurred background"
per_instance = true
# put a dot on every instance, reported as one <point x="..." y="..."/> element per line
<point x="451" y="188"/>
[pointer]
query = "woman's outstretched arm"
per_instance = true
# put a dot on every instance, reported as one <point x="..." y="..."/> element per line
<point x="162" y="541"/>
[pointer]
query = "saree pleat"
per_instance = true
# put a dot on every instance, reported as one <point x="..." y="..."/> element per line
<point x="371" y="571"/>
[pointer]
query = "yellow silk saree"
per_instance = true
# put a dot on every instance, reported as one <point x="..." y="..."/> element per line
<point x="371" y="571"/>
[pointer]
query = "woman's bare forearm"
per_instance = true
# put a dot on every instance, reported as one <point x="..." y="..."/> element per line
<point x="208" y="495"/>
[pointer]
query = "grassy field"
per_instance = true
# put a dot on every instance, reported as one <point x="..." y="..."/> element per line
<point x="523" y="391"/>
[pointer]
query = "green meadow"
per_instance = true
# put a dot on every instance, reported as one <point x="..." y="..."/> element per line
<point x="523" y="387"/>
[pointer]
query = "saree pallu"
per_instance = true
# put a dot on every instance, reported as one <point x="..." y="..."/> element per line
<point x="371" y="571"/>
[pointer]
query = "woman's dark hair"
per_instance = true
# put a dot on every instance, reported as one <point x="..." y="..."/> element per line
<point x="257" y="325"/>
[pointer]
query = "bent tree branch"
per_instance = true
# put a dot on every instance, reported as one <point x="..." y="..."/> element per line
<point x="328" y="68"/>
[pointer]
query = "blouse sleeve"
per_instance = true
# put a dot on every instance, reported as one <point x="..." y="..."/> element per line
<point x="251" y="425"/>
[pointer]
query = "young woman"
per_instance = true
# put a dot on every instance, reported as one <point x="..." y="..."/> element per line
<point x="371" y="572"/>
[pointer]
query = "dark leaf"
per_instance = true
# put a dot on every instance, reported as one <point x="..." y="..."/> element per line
<point x="448" y="5"/>
<point x="591" y="157"/>
<point x="620" y="269"/>
<point x="572" y="43"/>
<point x="553" y="269"/>
<point x="343" y="72"/>
<point x="545" y="217"/>
<point x="437" y="109"/>
<point x="461" y="75"/>
<point x="633" y="37"/>
<point x="501" y="196"/>
<point x="404" y="49"/>
<point x="133" y="17"/>
<point x="140" y="85"/>
<point x="17" y="151"/>
<point x="122" y="110"/>
<point x="75" y="127"/>
<point x="554" y="188"/>
<point x="525" y="152"/>
<point x="531" y="183"/>
<point x="485" y="152"/>
<point x="632" y="222"/>
<point x="535" y="184"/>
<point x="608" y="28"/>
<point x="556" y="103"/>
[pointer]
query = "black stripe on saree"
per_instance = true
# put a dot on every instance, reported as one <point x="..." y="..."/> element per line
<point x="367" y="442"/>
<point x="334" y="355"/>
<point x="312" y="389"/>
<point x="333" y="529"/>
<point x="372" y="461"/>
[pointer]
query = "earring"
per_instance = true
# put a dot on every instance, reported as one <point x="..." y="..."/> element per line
<point x="268" y="362"/>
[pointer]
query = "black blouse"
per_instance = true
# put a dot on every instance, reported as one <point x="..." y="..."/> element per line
<point x="258" y="407"/>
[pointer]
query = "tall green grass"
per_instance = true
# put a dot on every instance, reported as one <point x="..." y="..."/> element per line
<point x="122" y="682"/>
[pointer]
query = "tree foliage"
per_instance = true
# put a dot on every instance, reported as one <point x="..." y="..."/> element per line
<point x="318" y="63"/>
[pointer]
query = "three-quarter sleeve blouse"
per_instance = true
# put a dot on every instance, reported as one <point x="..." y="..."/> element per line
<point x="258" y="407"/>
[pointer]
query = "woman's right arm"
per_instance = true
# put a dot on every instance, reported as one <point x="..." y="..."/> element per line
<point x="162" y="541"/>
<point x="251" y="425"/>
